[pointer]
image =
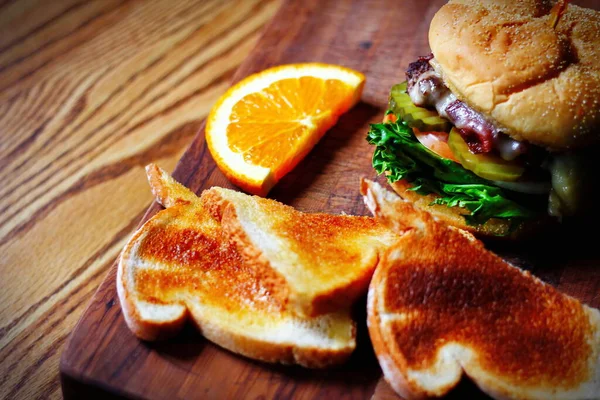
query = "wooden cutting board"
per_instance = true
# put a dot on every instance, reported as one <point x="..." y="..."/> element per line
<point x="378" y="37"/>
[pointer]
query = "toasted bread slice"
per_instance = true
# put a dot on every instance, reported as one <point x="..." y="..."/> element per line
<point x="441" y="305"/>
<point x="166" y="190"/>
<point x="325" y="260"/>
<point x="179" y="266"/>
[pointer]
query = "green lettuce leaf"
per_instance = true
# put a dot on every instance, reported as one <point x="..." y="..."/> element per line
<point x="399" y="154"/>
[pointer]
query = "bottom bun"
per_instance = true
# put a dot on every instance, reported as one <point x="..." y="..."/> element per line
<point x="495" y="227"/>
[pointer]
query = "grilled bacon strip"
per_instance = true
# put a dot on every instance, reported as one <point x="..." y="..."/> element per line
<point x="427" y="89"/>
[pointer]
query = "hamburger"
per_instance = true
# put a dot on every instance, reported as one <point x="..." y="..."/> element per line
<point x="496" y="130"/>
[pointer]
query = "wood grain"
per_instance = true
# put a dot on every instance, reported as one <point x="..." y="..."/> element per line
<point x="378" y="37"/>
<point x="90" y="92"/>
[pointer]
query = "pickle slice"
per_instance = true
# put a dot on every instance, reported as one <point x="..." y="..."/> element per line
<point x="487" y="166"/>
<point x="416" y="117"/>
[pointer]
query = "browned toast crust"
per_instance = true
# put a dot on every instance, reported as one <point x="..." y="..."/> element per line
<point x="202" y="267"/>
<point x="181" y="266"/>
<point x="320" y="243"/>
<point x="450" y="290"/>
<point x="520" y="327"/>
<point x="146" y="330"/>
<point x="166" y="190"/>
<point x="392" y="363"/>
<point x="254" y="258"/>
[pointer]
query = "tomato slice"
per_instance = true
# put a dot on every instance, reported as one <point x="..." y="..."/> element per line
<point x="390" y="119"/>
<point x="436" y="142"/>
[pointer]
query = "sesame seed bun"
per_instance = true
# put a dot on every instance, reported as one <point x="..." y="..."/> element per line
<point x="535" y="82"/>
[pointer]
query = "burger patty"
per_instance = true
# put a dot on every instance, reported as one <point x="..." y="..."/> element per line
<point x="427" y="89"/>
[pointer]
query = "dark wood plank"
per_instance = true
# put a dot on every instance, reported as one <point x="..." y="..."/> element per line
<point x="378" y="37"/>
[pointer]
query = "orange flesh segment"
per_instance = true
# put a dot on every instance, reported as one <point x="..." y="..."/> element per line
<point x="274" y="127"/>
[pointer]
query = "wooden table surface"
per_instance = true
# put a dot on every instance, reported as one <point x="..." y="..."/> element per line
<point x="90" y="92"/>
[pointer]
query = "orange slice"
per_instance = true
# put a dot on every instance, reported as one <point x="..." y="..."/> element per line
<point x="263" y="126"/>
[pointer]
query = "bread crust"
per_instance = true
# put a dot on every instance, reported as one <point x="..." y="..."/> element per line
<point x="144" y="329"/>
<point x="336" y="254"/>
<point x="179" y="266"/>
<point x="338" y="298"/>
<point x="214" y="321"/>
<point x="393" y="366"/>
<point x="166" y="190"/>
<point x="441" y="305"/>
<point x="267" y="351"/>
<point x="254" y="257"/>
<point x="535" y="82"/>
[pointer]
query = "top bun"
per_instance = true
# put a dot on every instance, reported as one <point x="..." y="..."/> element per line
<point x="535" y="82"/>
